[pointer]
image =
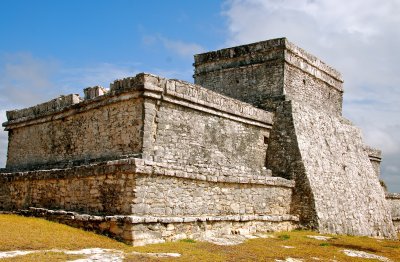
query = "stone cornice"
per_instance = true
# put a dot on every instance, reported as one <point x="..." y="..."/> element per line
<point x="144" y="167"/>
<point x="392" y="195"/>
<point x="143" y="85"/>
<point x="159" y="219"/>
<point x="268" y="51"/>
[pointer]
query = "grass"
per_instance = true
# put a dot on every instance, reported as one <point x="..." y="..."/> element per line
<point x="284" y="237"/>
<point x="21" y="233"/>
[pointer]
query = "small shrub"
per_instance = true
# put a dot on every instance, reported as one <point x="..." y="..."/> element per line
<point x="324" y="244"/>
<point x="188" y="240"/>
<point x="284" y="237"/>
<point x="392" y="246"/>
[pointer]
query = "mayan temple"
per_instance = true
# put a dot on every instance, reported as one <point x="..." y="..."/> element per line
<point x="257" y="144"/>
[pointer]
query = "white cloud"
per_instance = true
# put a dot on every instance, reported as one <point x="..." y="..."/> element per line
<point x="25" y="79"/>
<point x="178" y="47"/>
<point x="359" y="38"/>
<point x="182" y="48"/>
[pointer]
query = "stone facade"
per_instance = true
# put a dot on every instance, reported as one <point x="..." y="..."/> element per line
<point x="337" y="189"/>
<point x="257" y="144"/>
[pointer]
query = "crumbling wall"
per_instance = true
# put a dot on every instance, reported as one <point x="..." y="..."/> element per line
<point x="251" y="84"/>
<point x="81" y="190"/>
<point x="268" y="72"/>
<point x="188" y="137"/>
<point x="393" y="200"/>
<point x="375" y="156"/>
<point x="191" y="126"/>
<point x="108" y="131"/>
<point x="337" y="190"/>
<point x="172" y="196"/>
<point x="347" y="195"/>
<point x="144" y="188"/>
<point x="284" y="160"/>
<point x="305" y="87"/>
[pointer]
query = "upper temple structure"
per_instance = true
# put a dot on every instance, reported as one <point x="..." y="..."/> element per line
<point x="257" y="144"/>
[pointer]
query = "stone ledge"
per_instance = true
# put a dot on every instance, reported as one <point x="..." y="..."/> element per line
<point x="392" y="195"/>
<point x="270" y="50"/>
<point x="31" y="116"/>
<point x="145" y="167"/>
<point x="139" y="231"/>
<point x="134" y="87"/>
<point x="373" y="153"/>
<point x="156" y="219"/>
<point x="263" y="46"/>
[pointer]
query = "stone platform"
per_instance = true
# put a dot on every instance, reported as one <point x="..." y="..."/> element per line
<point x="142" y="202"/>
<point x="259" y="143"/>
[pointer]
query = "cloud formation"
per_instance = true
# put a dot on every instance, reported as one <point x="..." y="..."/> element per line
<point x="181" y="48"/>
<point x="359" y="38"/>
<point x="178" y="47"/>
<point x="25" y="79"/>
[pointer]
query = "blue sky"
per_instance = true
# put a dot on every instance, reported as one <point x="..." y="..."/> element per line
<point x="49" y="48"/>
<point x="129" y="35"/>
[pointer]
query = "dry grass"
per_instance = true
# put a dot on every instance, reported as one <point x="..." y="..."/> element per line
<point x="21" y="233"/>
<point x="46" y="256"/>
<point x="25" y="233"/>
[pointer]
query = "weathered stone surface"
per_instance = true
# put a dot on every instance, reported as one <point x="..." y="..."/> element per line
<point x="375" y="156"/>
<point x="340" y="175"/>
<point x="262" y="147"/>
<point x="394" y="203"/>
<point x="145" y="115"/>
<point x="267" y="72"/>
<point x="121" y="187"/>
<point x="337" y="187"/>
<point x="105" y="132"/>
<point x="142" y="230"/>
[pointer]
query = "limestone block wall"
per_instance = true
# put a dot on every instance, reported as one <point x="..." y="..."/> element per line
<point x="106" y="131"/>
<point x="343" y="193"/>
<point x="252" y="84"/>
<point x="160" y="119"/>
<point x="375" y="156"/>
<point x="267" y="72"/>
<point x="394" y="203"/>
<point x="172" y="196"/>
<point x="77" y="189"/>
<point x="143" y="188"/>
<point x="192" y="126"/>
<point x="300" y="86"/>
<point x="188" y="137"/>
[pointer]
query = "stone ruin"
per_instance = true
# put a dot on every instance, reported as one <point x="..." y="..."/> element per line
<point x="257" y="144"/>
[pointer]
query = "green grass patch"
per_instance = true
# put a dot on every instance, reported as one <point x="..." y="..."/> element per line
<point x="188" y="240"/>
<point x="284" y="237"/>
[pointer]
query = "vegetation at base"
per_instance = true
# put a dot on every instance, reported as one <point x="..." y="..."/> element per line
<point x="22" y="233"/>
<point x="284" y="237"/>
<point x="188" y="240"/>
<point x="324" y="244"/>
